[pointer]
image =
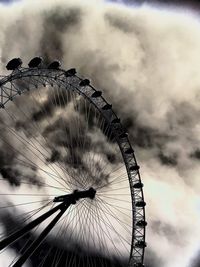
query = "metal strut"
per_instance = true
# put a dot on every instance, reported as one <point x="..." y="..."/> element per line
<point x="30" y="250"/>
<point x="66" y="201"/>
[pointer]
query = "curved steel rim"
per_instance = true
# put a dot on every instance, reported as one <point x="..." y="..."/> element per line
<point x="41" y="76"/>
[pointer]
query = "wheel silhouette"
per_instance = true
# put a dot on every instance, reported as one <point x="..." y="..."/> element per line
<point x="71" y="192"/>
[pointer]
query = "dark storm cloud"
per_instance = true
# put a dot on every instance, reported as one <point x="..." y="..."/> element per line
<point x="119" y="23"/>
<point x="45" y="110"/>
<point x="180" y="120"/>
<point x="62" y="133"/>
<point x="12" y="168"/>
<point x="196" y="154"/>
<point x="56" y="23"/>
<point x="144" y="136"/>
<point x="170" y="160"/>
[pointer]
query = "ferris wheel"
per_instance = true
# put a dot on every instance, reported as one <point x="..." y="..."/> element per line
<point x="69" y="178"/>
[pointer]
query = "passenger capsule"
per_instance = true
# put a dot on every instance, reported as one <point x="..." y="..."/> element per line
<point x="138" y="264"/>
<point x="123" y="135"/>
<point x="35" y="62"/>
<point x="134" y="168"/>
<point x="96" y="94"/>
<point x="141" y="223"/>
<point x="116" y="120"/>
<point x="70" y="72"/>
<point x="129" y="151"/>
<point x="107" y="107"/>
<point x="138" y="185"/>
<point x="140" y="204"/>
<point x="14" y="63"/>
<point x="140" y="244"/>
<point x="55" y="65"/>
<point x="84" y="82"/>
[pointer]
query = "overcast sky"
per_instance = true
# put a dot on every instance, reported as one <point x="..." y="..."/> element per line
<point x="146" y="60"/>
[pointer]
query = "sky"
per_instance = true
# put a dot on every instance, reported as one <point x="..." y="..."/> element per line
<point x="146" y="61"/>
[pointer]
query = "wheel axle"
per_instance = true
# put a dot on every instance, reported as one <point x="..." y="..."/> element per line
<point x="76" y="195"/>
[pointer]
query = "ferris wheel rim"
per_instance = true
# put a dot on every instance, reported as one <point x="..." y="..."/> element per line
<point x="87" y="91"/>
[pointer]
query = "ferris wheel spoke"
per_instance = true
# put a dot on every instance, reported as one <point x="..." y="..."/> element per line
<point x="24" y="216"/>
<point x="113" y="206"/>
<point x="23" y="221"/>
<point x="115" y="189"/>
<point x="71" y="174"/>
<point x="116" y="179"/>
<point x="39" y="184"/>
<point x="94" y="224"/>
<point x="118" y="199"/>
<point x="108" y="211"/>
<point x="87" y="223"/>
<point x="72" y="140"/>
<point x="76" y="142"/>
<point x="106" y="233"/>
<point x="99" y="232"/>
<point x="120" y="182"/>
<point x="111" y="227"/>
<point x="57" y="250"/>
<point x="120" y="207"/>
<point x="27" y="243"/>
<point x="64" y="169"/>
<point x="44" y="148"/>
<point x="29" y="160"/>
<point x="33" y="138"/>
<point x="108" y="223"/>
<point x="72" y="233"/>
<point x="91" y="162"/>
<point x="50" y="175"/>
<point x="22" y="204"/>
<point x="51" y="248"/>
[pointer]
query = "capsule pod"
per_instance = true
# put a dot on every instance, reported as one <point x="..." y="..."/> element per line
<point x="138" y="264"/>
<point x="123" y="135"/>
<point x="70" y="72"/>
<point x="140" y="204"/>
<point x="116" y="120"/>
<point x="96" y="94"/>
<point x="107" y="107"/>
<point x="14" y="63"/>
<point x="141" y="223"/>
<point x="138" y="185"/>
<point x="134" y="168"/>
<point x="129" y="151"/>
<point x="35" y="62"/>
<point x="84" y="82"/>
<point x="140" y="244"/>
<point x="55" y="65"/>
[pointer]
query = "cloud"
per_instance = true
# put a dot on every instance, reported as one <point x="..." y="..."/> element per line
<point x="146" y="62"/>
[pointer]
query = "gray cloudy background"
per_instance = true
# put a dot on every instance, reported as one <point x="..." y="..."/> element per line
<point x="146" y="61"/>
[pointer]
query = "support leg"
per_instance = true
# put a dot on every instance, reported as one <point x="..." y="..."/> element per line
<point x="13" y="237"/>
<point x="30" y="250"/>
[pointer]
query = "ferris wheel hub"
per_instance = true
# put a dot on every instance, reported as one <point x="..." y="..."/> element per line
<point x="76" y="195"/>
